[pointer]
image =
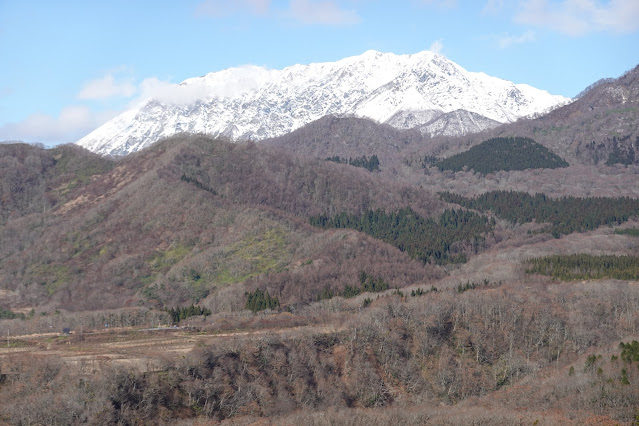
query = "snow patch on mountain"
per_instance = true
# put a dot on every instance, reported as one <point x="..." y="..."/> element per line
<point x="424" y="90"/>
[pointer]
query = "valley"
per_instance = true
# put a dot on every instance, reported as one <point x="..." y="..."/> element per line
<point x="347" y="272"/>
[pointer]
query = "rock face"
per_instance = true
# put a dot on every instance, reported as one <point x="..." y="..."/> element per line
<point x="423" y="90"/>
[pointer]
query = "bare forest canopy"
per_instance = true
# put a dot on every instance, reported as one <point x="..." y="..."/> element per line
<point x="414" y="360"/>
<point x="202" y="280"/>
<point x="35" y="179"/>
<point x="180" y="221"/>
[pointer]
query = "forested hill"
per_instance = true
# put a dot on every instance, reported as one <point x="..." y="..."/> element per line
<point x="564" y="215"/>
<point x="33" y="179"/>
<point x="350" y="137"/>
<point x="601" y="127"/>
<point x="176" y="222"/>
<point x="424" y="239"/>
<point x="513" y="153"/>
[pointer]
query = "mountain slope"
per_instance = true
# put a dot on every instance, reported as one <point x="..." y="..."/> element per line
<point x="349" y="137"/>
<point x="33" y="179"/>
<point x="601" y="127"/>
<point x="191" y="216"/>
<point x="256" y="103"/>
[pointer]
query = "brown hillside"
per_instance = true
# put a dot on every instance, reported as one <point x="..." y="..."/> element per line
<point x="192" y="215"/>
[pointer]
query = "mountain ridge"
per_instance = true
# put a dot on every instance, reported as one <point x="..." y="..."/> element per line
<point x="601" y="126"/>
<point x="256" y="103"/>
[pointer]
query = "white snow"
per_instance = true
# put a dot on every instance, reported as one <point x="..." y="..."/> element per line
<point x="255" y="102"/>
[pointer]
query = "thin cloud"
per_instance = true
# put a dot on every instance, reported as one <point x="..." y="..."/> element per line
<point x="71" y="124"/>
<point x="225" y="8"/>
<point x="508" y="40"/>
<point x="580" y="17"/>
<point x="105" y="88"/>
<point x="236" y="82"/>
<point x="169" y="93"/>
<point x="436" y="47"/>
<point x="76" y="121"/>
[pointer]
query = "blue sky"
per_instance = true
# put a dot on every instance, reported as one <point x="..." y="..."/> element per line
<point x="68" y="66"/>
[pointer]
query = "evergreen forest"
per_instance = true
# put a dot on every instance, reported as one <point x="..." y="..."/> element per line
<point x="564" y="215"/>
<point x="367" y="283"/>
<point x="371" y="164"/>
<point x="184" y="312"/>
<point x="585" y="266"/>
<point x="633" y="232"/>
<point x="513" y="153"/>
<point x="440" y="241"/>
<point x="8" y="314"/>
<point x="629" y="351"/>
<point x="622" y="153"/>
<point x="260" y="300"/>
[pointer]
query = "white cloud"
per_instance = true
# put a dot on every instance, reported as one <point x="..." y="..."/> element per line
<point x="579" y="17"/>
<point x="166" y="92"/>
<point x="508" y="40"/>
<point x="320" y="12"/>
<point x="76" y="121"/>
<point x="436" y="47"/>
<point x="224" y="8"/>
<point x="105" y="88"/>
<point x="71" y="124"/>
<point x="227" y="83"/>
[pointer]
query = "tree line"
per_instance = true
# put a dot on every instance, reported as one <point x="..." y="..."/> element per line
<point x="197" y="183"/>
<point x="439" y="241"/>
<point x="629" y="351"/>
<point x="260" y="300"/>
<point x="370" y="164"/>
<point x="179" y="313"/>
<point x="633" y="232"/>
<point x="585" y="266"/>
<point x="473" y="285"/>
<point x="622" y="151"/>
<point x="367" y="283"/>
<point x="565" y="215"/>
<point x="9" y="314"/>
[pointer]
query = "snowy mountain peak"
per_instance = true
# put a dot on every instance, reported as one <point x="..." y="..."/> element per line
<point x="424" y="90"/>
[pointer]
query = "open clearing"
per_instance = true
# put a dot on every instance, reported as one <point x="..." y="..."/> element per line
<point x="143" y="349"/>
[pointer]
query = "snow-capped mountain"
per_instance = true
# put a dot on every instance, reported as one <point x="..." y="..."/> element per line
<point x="424" y="90"/>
